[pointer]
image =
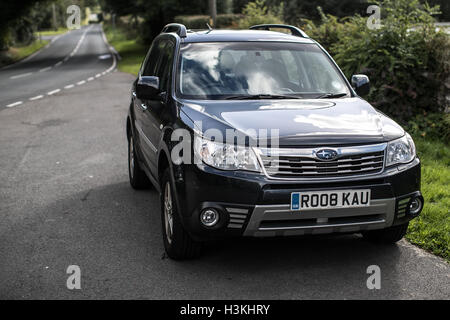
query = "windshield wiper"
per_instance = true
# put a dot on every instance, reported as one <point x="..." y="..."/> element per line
<point x="261" y="96"/>
<point x="331" y="95"/>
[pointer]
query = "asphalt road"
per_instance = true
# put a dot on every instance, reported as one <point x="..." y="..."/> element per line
<point x="65" y="200"/>
<point x="77" y="56"/>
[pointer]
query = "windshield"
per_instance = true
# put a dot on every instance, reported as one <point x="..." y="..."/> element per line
<point x="238" y="70"/>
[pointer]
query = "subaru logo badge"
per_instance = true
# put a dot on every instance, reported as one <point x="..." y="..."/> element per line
<point x="326" y="154"/>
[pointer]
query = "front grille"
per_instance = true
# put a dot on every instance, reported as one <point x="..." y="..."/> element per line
<point x="299" y="166"/>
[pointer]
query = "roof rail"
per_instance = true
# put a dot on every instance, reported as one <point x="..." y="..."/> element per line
<point x="178" y="28"/>
<point x="294" y="30"/>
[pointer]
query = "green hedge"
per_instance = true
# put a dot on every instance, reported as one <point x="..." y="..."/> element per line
<point x="200" y="21"/>
<point x="258" y="12"/>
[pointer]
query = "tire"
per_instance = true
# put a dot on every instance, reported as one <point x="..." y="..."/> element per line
<point x="177" y="242"/>
<point x="138" y="178"/>
<point x="388" y="235"/>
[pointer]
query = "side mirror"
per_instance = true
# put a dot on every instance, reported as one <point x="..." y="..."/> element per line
<point x="147" y="87"/>
<point x="361" y="84"/>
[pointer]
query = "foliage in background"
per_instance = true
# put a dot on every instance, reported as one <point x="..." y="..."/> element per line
<point x="445" y="8"/>
<point x="11" y="14"/>
<point x="328" y="31"/>
<point x="258" y="12"/>
<point x="296" y="10"/>
<point x="229" y="20"/>
<point x="19" y="20"/>
<point x="155" y="14"/>
<point x="407" y="60"/>
<point x="433" y="126"/>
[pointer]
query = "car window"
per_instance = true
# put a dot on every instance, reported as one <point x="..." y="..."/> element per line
<point x="164" y="67"/>
<point x="221" y="70"/>
<point x="152" y="59"/>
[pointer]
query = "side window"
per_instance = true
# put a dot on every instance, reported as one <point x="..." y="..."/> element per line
<point x="164" y="67"/>
<point x="152" y="58"/>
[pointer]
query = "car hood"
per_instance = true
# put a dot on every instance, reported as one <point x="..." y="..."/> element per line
<point x="299" y="122"/>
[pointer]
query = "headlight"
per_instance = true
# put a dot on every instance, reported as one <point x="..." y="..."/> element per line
<point x="225" y="156"/>
<point x="401" y="150"/>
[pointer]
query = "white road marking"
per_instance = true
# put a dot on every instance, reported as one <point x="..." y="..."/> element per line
<point x="53" y="92"/>
<point x="69" y="86"/>
<point x="104" y="56"/>
<point x="45" y="69"/>
<point x="14" y="104"/>
<point x="36" y="97"/>
<point x="21" y="75"/>
<point x="81" y="82"/>
<point x="90" y="78"/>
<point x="98" y="75"/>
<point x="113" y="51"/>
<point x="58" y="63"/>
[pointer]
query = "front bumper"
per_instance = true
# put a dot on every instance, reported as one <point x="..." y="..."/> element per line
<point x="281" y="221"/>
<point x="254" y="205"/>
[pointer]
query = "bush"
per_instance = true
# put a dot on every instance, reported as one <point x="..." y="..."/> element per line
<point x="406" y="59"/>
<point x="259" y="13"/>
<point x="434" y="126"/>
<point x="296" y="10"/>
<point x="329" y="32"/>
<point x="228" y="20"/>
<point x="200" y="21"/>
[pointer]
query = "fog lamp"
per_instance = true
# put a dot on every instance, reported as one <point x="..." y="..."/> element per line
<point x="209" y="217"/>
<point x="415" y="206"/>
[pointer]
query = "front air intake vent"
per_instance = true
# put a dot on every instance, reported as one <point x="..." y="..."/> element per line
<point x="402" y="206"/>
<point x="238" y="216"/>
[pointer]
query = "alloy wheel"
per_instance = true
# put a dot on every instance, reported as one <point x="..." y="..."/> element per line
<point x="168" y="212"/>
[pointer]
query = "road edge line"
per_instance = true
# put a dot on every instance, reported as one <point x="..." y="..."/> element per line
<point x="116" y="56"/>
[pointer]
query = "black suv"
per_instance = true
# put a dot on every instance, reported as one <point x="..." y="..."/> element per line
<point x="303" y="153"/>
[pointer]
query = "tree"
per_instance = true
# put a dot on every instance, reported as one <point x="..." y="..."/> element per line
<point x="10" y="13"/>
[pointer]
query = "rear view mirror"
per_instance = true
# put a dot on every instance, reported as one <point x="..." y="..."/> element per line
<point x="147" y="87"/>
<point x="361" y="84"/>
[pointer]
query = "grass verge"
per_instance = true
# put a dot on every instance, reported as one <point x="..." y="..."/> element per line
<point x="51" y="32"/>
<point x="132" y="52"/>
<point x="430" y="231"/>
<point x="14" y="54"/>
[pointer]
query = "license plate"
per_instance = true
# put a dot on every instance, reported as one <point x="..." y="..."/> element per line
<point x="330" y="199"/>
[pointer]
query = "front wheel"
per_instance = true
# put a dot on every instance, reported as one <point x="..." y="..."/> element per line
<point x="388" y="235"/>
<point x="178" y="243"/>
